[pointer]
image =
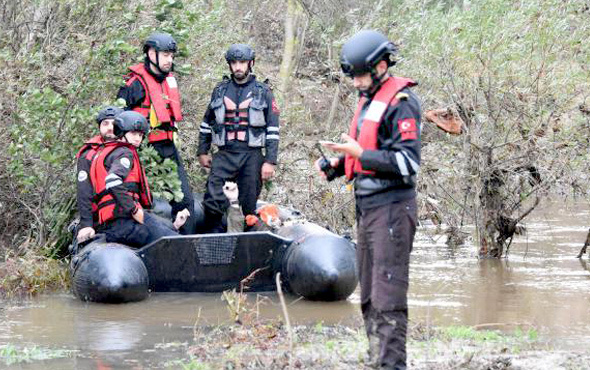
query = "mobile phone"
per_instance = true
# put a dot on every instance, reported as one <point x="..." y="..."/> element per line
<point x="325" y="164"/>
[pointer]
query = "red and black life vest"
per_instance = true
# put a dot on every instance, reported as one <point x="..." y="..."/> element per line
<point x="135" y="183"/>
<point x="385" y="97"/>
<point x="91" y="146"/>
<point x="237" y="117"/>
<point x="164" y="97"/>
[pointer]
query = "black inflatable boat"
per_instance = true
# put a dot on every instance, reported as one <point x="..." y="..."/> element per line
<point x="314" y="263"/>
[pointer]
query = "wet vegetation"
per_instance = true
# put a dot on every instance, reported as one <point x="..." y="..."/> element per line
<point x="515" y="74"/>
<point x="265" y="345"/>
<point x="11" y="355"/>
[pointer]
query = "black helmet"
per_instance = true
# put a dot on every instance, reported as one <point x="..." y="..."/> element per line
<point x="108" y="112"/>
<point x="361" y="53"/>
<point x="160" y="42"/>
<point x="130" y="121"/>
<point x="239" y="52"/>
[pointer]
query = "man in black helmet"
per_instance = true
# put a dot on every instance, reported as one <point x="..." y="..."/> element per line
<point x="242" y="120"/>
<point x="381" y="154"/>
<point x="121" y="189"/>
<point x="151" y="89"/>
<point x="105" y="120"/>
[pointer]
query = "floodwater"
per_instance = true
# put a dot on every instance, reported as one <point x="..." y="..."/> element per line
<point x="540" y="286"/>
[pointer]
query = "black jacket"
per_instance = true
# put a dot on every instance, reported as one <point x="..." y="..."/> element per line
<point x="238" y="93"/>
<point x="396" y="161"/>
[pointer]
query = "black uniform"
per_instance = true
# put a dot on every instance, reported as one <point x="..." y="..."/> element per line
<point x="85" y="192"/>
<point x="124" y="229"/>
<point x="386" y="218"/>
<point x="134" y="96"/>
<point x="242" y="120"/>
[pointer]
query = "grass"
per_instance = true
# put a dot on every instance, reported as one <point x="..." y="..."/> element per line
<point x="32" y="274"/>
<point x="257" y="344"/>
<point x="10" y="354"/>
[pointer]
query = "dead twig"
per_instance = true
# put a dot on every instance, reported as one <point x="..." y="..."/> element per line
<point x="285" y="312"/>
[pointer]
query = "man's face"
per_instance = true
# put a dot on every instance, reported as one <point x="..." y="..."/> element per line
<point x="106" y="129"/>
<point x="239" y="68"/>
<point x="165" y="59"/>
<point x="363" y="83"/>
<point x="134" y="138"/>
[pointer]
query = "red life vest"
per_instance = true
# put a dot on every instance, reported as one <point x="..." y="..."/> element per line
<point x="164" y="97"/>
<point x="385" y="97"/>
<point x="92" y="146"/>
<point x="135" y="182"/>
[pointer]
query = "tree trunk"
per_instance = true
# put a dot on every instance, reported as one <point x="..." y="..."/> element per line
<point x="290" y="44"/>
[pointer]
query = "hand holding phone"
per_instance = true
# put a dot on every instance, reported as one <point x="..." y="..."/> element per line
<point x="324" y="163"/>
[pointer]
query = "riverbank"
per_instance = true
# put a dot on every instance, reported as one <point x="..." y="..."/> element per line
<point x="268" y="344"/>
<point x="30" y="274"/>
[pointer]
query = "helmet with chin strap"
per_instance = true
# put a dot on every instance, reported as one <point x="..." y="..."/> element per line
<point x="108" y="112"/>
<point x="129" y="121"/>
<point x="160" y="42"/>
<point x="363" y="51"/>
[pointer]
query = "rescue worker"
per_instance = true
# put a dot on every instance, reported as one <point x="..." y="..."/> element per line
<point x="242" y="120"/>
<point x="381" y="153"/>
<point x="151" y="89"/>
<point x="121" y="189"/>
<point x="105" y="119"/>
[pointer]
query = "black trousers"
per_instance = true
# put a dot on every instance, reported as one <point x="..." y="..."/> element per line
<point x="242" y="167"/>
<point x="167" y="149"/>
<point x="385" y="239"/>
<point x="129" y="232"/>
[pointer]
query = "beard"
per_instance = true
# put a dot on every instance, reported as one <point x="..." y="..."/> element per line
<point x="240" y="75"/>
<point x="166" y="69"/>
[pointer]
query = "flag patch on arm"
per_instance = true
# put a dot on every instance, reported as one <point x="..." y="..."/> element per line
<point x="407" y="128"/>
<point x="275" y="107"/>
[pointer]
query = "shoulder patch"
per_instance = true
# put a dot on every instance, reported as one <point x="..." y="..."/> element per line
<point x="125" y="162"/>
<point x="82" y="176"/>
<point x="402" y="96"/>
<point x="408" y="129"/>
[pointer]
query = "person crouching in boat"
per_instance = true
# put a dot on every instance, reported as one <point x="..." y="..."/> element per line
<point x="121" y="188"/>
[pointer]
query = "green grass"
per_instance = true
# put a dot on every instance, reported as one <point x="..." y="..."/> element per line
<point x="469" y="333"/>
<point x="11" y="354"/>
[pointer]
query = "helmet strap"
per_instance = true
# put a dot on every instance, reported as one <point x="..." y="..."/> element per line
<point x="377" y="81"/>
<point x="157" y="64"/>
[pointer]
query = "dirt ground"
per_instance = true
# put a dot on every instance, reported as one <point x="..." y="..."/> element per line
<point x="268" y="345"/>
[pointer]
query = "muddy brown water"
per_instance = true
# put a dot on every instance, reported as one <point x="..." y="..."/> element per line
<point x="541" y="286"/>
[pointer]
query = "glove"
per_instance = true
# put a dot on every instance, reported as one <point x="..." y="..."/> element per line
<point x="230" y="189"/>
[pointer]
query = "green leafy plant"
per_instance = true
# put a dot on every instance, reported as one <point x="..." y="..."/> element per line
<point x="162" y="175"/>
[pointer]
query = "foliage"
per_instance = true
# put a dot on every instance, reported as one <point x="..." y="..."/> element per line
<point x="162" y="175"/>
<point x="31" y="274"/>
<point x="511" y="73"/>
<point x="11" y="354"/>
<point x="514" y="71"/>
<point x="74" y="58"/>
